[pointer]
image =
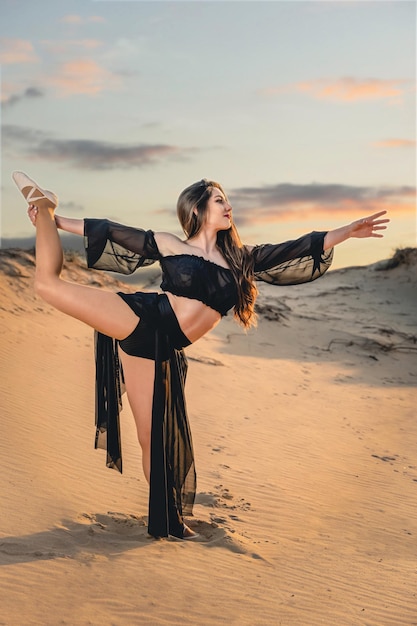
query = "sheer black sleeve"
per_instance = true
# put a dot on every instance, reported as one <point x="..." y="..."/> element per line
<point x="292" y="262"/>
<point x="117" y="248"/>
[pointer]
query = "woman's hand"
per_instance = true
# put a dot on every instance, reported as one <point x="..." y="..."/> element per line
<point x="71" y="225"/>
<point x="367" y="226"/>
<point x="33" y="213"/>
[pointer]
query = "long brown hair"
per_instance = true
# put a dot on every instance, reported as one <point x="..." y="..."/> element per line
<point x="240" y="261"/>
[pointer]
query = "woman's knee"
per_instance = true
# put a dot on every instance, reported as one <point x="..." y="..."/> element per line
<point x="46" y="287"/>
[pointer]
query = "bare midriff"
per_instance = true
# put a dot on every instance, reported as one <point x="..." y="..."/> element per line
<point x="194" y="317"/>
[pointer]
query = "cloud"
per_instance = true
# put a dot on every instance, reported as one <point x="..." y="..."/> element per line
<point x="16" y="51"/>
<point x="395" y="143"/>
<point x="72" y="19"/>
<point x="105" y="155"/>
<point x="22" y="134"/>
<point x="78" y="19"/>
<point x="29" y="93"/>
<point x="91" y="154"/>
<point x="82" y="76"/>
<point x="64" y="46"/>
<point x="345" y="89"/>
<point x="286" y="201"/>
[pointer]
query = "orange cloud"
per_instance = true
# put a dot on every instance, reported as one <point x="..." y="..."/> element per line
<point x="82" y="76"/>
<point x="395" y="143"/>
<point x="7" y="90"/>
<point x="16" y="51"/>
<point x="63" y="46"/>
<point x="78" y="19"/>
<point x="72" y="19"/>
<point x="346" y="89"/>
<point x="287" y="202"/>
<point x="346" y="210"/>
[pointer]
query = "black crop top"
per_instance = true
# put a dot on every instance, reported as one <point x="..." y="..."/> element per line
<point x="123" y="249"/>
<point x="197" y="278"/>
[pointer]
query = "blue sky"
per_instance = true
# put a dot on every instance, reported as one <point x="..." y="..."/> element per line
<point x="303" y="110"/>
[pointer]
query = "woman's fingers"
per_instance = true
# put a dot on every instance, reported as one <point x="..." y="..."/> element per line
<point x="375" y="215"/>
<point x="368" y="226"/>
<point x="373" y="219"/>
<point x="32" y="213"/>
<point x="381" y="222"/>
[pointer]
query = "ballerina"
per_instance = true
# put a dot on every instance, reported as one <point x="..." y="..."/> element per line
<point x="140" y="337"/>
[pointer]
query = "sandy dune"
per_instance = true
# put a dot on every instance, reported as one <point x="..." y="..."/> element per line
<point x="305" y="437"/>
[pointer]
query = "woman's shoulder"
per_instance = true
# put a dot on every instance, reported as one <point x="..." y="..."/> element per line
<point x="168" y="243"/>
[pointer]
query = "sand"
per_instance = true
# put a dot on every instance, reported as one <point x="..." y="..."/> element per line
<point x="305" y="440"/>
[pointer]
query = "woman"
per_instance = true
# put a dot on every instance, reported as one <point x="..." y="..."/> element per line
<point x="204" y="276"/>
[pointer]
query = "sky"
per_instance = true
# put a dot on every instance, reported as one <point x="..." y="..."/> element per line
<point x="303" y="110"/>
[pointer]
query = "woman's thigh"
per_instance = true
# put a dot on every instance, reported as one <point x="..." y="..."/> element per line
<point x="102" y="310"/>
<point x="139" y="376"/>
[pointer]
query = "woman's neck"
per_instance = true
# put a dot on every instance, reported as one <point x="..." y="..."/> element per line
<point x="205" y="241"/>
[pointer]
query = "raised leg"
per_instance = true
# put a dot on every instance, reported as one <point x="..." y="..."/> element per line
<point x="103" y="310"/>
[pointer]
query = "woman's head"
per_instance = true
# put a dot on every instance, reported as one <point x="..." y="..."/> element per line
<point x="195" y="204"/>
<point x="205" y="204"/>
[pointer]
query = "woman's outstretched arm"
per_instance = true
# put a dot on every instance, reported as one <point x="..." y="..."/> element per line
<point x="109" y="245"/>
<point x="365" y="227"/>
<point x="70" y="224"/>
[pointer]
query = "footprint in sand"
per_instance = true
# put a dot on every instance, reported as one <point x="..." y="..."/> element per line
<point x="117" y="525"/>
<point x="222" y="499"/>
<point x="221" y="537"/>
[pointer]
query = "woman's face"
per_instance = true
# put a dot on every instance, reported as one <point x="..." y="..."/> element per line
<point x="219" y="211"/>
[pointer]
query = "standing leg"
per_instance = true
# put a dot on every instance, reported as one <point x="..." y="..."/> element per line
<point x="139" y="376"/>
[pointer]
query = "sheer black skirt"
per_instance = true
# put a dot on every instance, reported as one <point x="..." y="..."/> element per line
<point x="158" y="336"/>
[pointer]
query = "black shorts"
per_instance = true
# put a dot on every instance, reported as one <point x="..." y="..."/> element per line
<point x="155" y="313"/>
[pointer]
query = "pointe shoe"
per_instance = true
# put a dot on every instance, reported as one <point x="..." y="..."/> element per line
<point x="185" y="537"/>
<point x="33" y="193"/>
<point x="190" y="537"/>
